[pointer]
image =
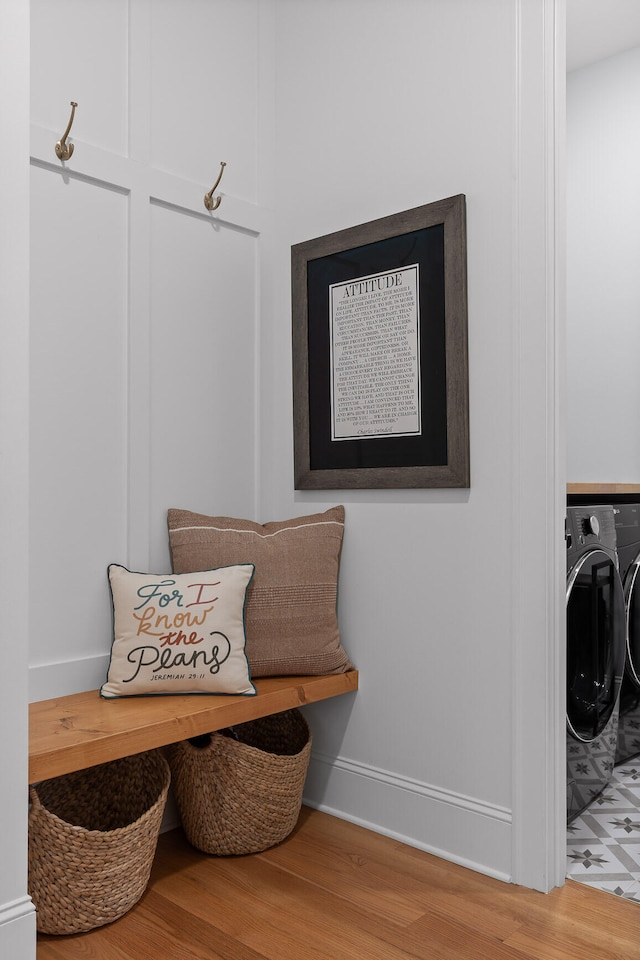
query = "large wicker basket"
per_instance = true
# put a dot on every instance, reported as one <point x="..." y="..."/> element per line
<point x="92" y="839"/>
<point x="240" y="790"/>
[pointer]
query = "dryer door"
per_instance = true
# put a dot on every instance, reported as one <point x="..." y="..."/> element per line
<point x="595" y="644"/>
<point x="632" y="600"/>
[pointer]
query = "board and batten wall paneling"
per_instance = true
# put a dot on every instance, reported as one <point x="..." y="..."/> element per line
<point x="79" y="52"/>
<point x="144" y="323"/>
<point x="78" y="410"/>
<point x="204" y="98"/>
<point x="203" y="372"/>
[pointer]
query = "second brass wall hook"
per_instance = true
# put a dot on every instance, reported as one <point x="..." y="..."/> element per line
<point x="210" y="202"/>
<point x="63" y="149"/>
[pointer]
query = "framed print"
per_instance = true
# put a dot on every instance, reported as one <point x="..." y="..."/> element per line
<point x="380" y="367"/>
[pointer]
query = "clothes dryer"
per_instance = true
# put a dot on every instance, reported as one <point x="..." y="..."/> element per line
<point x="627" y="523"/>
<point x="595" y="652"/>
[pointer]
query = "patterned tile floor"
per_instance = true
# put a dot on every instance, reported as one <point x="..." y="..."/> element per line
<point x="603" y="843"/>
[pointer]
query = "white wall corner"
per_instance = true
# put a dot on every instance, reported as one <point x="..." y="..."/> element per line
<point x="538" y="478"/>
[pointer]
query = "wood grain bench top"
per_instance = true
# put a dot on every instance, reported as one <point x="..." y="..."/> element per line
<point x="82" y="730"/>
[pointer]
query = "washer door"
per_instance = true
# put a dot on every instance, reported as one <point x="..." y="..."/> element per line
<point x="632" y="602"/>
<point x="595" y="644"/>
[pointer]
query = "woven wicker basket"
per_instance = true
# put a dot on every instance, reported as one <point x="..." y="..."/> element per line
<point x="240" y="791"/>
<point x="92" y="839"/>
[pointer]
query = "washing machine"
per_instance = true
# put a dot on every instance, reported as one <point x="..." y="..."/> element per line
<point x="595" y="652"/>
<point x="627" y="522"/>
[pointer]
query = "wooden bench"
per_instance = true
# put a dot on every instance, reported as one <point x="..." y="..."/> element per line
<point x="82" y="730"/>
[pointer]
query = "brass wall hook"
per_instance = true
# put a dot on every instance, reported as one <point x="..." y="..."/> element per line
<point x="63" y="149"/>
<point x="210" y="202"/>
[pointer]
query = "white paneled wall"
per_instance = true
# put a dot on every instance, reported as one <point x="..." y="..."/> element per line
<point x="156" y="381"/>
<point x="80" y="52"/>
<point x="204" y="74"/>
<point x="202" y="355"/>
<point x="144" y="331"/>
<point x="449" y="600"/>
<point x="78" y="409"/>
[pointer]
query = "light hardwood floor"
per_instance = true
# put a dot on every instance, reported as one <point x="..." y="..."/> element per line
<point x="334" y="891"/>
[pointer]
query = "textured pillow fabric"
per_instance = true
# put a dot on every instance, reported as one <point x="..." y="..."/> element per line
<point x="178" y="634"/>
<point x="292" y="624"/>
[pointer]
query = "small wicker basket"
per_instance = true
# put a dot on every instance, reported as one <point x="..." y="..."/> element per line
<point x="240" y="791"/>
<point x="92" y="839"/>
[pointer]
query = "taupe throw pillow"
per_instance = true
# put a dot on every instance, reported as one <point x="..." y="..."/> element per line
<point x="291" y="617"/>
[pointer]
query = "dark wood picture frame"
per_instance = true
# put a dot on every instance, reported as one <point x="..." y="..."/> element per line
<point x="429" y="244"/>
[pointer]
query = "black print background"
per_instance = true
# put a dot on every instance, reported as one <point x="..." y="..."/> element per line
<point x="425" y="247"/>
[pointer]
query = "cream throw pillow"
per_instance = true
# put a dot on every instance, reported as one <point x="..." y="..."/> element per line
<point x="178" y="634"/>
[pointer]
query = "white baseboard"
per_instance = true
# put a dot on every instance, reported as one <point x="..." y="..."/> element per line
<point x="18" y="929"/>
<point x="464" y="830"/>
